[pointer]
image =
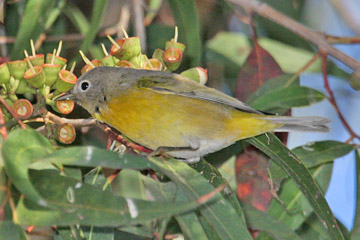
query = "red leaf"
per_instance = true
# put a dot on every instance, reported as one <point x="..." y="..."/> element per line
<point x="251" y="178"/>
<point x="259" y="67"/>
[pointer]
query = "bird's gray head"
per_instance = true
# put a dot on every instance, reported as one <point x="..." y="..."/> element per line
<point x="93" y="89"/>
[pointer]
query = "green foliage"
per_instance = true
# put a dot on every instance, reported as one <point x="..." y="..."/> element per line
<point x="91" y="193"/>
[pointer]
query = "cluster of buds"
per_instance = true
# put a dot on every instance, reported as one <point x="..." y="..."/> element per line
<point x="126" y="53"/>
<point x="38" y="74"/>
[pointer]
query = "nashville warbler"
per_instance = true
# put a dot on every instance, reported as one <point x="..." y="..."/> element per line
<point x="169" y="113"/>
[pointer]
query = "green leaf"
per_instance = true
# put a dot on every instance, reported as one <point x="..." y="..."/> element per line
<point x="188" y="222"/>
<point x="312" y="155"/>
<point x="220" y="214"/>
<point x="9" y="230"/>
<point x="95" y="21"/>
<point x="355" y="233"/>
<point x="232" y="49"/>
<point x="297" y="207"/>
<point x="21" y="148"/>
<point x="76" y="17"/>
<point x="80" y="203"/>
<point x="316" y="153"/>
<point x="32" y="25"/>
<point x="313" y="229"/>
<point x="187" y="20"/>
<point x="275" y="149"/>
<point x="263" y="222"/>
<point x="286" y="98"/>
<point x="274" y="84"/>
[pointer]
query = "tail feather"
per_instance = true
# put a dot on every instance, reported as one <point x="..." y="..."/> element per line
<point x="300" y="124"/>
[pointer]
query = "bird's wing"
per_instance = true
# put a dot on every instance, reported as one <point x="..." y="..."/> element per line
<point x="167" y="83"/>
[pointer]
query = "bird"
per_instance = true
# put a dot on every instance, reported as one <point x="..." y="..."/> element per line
<point x="171" y="114"/>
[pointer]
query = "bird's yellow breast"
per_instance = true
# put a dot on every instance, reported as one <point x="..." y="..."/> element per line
<point x="155" y="119"/>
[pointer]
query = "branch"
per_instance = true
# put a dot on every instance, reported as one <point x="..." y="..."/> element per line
<point x="308" y="34"/>
<point x="77" y="123"/>
<point x="332" y="97"/>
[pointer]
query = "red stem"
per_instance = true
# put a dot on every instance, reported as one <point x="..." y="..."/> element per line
<point x="2" y="101"/>
<point x="3" y="131"/>
<point x="331" y="97"/>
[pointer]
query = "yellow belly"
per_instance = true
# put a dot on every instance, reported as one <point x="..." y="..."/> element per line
<point x="155" y="119"/>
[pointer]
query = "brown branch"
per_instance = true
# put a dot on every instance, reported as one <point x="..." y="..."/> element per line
<point x="308" y="34"/>
<point x="342" y="40"/>
<point x="332" y="97"/>
<point x="77" y="123"/>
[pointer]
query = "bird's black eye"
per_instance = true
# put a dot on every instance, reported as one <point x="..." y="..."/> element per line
<point x="84" y="86"/>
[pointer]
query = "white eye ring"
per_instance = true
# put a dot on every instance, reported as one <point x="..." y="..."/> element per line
<point x="84" y="86"/>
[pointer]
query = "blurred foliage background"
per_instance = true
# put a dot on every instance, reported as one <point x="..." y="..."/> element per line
<point x="153" y="199"/>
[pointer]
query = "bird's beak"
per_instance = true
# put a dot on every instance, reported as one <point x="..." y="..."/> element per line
<point x="67" y="96"/>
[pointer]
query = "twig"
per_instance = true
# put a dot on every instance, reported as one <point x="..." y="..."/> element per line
<point x="332" y="97"/>
<point x="308" y="34"/>
<point x="342" y="40"/>
<point x="2" y="101"/>
<point x="77" y="123"/>
<point x="139" y="22"/>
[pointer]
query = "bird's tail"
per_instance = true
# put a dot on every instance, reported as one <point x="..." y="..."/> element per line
<point x="300" y="124"/>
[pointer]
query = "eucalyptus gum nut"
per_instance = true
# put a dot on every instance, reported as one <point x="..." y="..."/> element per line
<point x="125" y="64"/>
<point x="158" y="55"/>
<point x="4" y="74"/>
<point x="172" y="58"/>
<point x="58" y="60"/>
<point x="108" y="61"/>
<point x="17" y="68"/>
<point x="65" y="81"/>
<point x="24" y="88"/>
<point x="88" y="67"/>
<point x="37" y="79"/>
<point x="51" y="72"/>
<point x="129" y="48"/>
<point x="196" y="74"/>
<point x="22" y="108"/>
<point x="37" y="60"/>
<point x="170" y="44"/>
<point x="65" y="133"/>
<point x="138" y="61"/>
<point x="63" y="107"/>
<point x="153" y="64"/>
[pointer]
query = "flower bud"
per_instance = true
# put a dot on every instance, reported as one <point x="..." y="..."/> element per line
<point x="57" y="59"/>
<point x="172" y="58"/>
<point x="65" y="81"/>
<point x="127" y="48"/>
<point x="173" y="44"/>
<point x="4" y="73"/>
<point x="51" y="72"/>
<point x="108" y="61"/>
<point x="125" y="64"/>
<point x="153" y="64"/>
<point x="35" y="78"/>
<point x="37" y="60"/>
<point x="196" y="74"/>
<point x="17" y="68"/>
<point x="88" y="67"/>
